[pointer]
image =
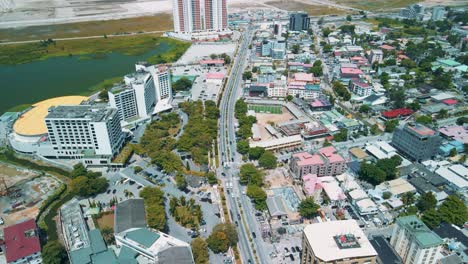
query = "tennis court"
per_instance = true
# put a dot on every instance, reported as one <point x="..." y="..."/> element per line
<point x="270" y="109"/>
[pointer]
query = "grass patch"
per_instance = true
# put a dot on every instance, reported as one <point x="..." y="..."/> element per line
<point x="128" y="45"/>
<point x="373" y="5"/>
<point x="270" y="109"/>
<point x="104" y="85"/>
<point x="19" y="108"/>
<point x="312" y="10"/>
<point x="159" y="22"/>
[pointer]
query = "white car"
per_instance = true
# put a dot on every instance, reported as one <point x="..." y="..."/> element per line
<point x="1" y="221"/>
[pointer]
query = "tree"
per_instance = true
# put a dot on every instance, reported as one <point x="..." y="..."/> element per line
<point x="154" y="206"/>
<point x="326" y="31"/>
<point x="211" y="177"/>
<point x="391" y="125"/>
<point x="386" y="195"/>
<point x="424" y="119"/>
<point x="137" y="169"/>
<point x="258" y="196"/>
<point x="267" y="160"/>
<point x="295" y="48"/>
<point x="289" y="98"/>
<point x="78" y="170"/>
<point x="54" y="253"/>
<point x="462" y="120"/>
<point x="200" y="251"/>
<point x="326" y="143"/>
<point x="453" y="152"/>
<point x="427" y="201"/>
<point x="180" y="181"/>
<point x="341" y="136"/>
<point x="431" y="218"/>
<point x="341" y="91"/>
<point x="453" y="211"/>
<point x="86" y="187"/>
<point x="443" y="113"/>
<point x="222" y="237"/>
<point x="407" y="198"/>
<point x="364" y="108"/>
<point x="103" y="95"/>
<point x="371" y="173"/>
<point x="183" y="84"/>
<point x="256" y="152"/>
<point x="374" y="129"/>
<point x="320" y="21"/>
<point x="349" y="18"/>
<point x="308" y="208"/>
<point x="327" y="48"/>
<point x="250" y="175"/>
<point x="247" y="75"/>
<point x="243" y="147"/>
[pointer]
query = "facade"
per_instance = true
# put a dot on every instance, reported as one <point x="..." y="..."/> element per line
<point x="84" y="130"/>
<point x="415" y="11"/>
<point x="299" y="21"/>
<point x="438" y="13"/>
<point x="22" y="244"/>
<point x="326" y="162"/>
<point x="338" y="242"/>
<point x="278" y="88"/>
<point x="145" y="92"/>
<point x="376" y="55"/>
<point x="199" y="15"/>
<point x="414" y="242"/>
<point x="416" y="141"/>
<point x="361" y="89"/>
<point x="6" y="126"/>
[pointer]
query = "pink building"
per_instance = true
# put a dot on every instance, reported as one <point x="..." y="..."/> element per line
<point x="312" y="186"/>
<point x="326" y="162"/>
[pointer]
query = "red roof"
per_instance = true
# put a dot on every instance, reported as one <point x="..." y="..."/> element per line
<point x="397" y="112"/>
<point x="21" y="240"/>
<point x="450" y="101"/>
<point x="387" y="47"/>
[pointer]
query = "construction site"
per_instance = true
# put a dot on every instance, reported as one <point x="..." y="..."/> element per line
<point x="22" y="192"/>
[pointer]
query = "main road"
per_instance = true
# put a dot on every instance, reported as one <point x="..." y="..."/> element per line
<point x="238" y="208"/>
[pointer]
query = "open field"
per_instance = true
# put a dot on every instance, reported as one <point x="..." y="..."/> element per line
<point x="267" y="109"/>
<point x="159" y="22"/>
<point x="311" y="9"/>
<point x="128" y="45"/>
<point x="265" y="119"/>
<point x="13" y="175"/>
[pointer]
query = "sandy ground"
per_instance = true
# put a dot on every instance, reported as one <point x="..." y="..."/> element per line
<point x="12" y="175"/>
<point x="277" y="178"/>
<point x="264" y="119"/>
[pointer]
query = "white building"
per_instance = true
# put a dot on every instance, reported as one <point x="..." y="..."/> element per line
<point x="438" y="13"/>
<point x="414" y="242"/>
<point x="278" y="89"/>
<point x="199" y="15"/>
<point x="336" y="242"/>
<point x="83" y="131"/>
<point x="145" y="92"/>
<point x="154" y="246"/>
<point x="376" y="55"/>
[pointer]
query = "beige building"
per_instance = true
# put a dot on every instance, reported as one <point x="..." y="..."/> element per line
<point x="338" y="242"/>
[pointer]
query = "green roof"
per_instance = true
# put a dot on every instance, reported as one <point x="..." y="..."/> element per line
<point x="8" y="115"/>
<point x="422" y="234"/>
<point x="81" y="256"/>
<point x="96" y="241"/>
<point x="451" y="63"/>
<point x="127" y="256"/>
<point x="107" y="257"/>
<point x="143" y="236"/>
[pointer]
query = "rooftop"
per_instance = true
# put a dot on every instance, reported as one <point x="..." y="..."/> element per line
<point x="458" y="133"/>
<point x="420" y="129"/>
<point x="31" y="123"/>
<point x="422" y="234"/>
<point x="351" y="71"/>
<point x="95" y="113"/>
<point x="21" y="240"/>
<point x="328" y="249"/>
<point x="129" y="214"/>
<point x="386" y="253"/>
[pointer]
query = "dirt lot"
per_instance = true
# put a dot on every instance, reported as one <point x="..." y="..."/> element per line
<point x="277" y="178"/>
<point x="13" y="175"/>
<point x="311" y="9"/>
<point x="106" y="220"/>
<point x="265" y="119"/>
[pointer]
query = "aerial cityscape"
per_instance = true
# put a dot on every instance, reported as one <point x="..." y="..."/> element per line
<point x="234" y="131"/>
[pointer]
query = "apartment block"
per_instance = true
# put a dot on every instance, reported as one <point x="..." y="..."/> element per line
<point x="199" y="15"/>
<point x="326" y="162"/>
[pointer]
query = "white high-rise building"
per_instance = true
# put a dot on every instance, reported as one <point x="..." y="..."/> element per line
<point x="145" y="92"/>
<point x="414" y="242"/>
<point x="84" y="130"/>
<point x="438" y="13"/>
<point x="199" y="15"/>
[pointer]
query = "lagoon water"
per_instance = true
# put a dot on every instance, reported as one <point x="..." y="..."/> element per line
<point x="32" y="82"/>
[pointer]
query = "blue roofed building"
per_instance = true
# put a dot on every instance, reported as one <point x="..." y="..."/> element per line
<point x="446" y="148"/>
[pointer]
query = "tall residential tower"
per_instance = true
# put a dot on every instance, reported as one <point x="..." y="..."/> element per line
<point x="199" y="15"/>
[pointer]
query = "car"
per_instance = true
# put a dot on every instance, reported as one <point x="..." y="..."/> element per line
<point x="298" y="249"/>
<point x="286" y="249"/>
<point x="238" y="216"/>
<point x="1" y="221"/>
<point x="254" y="235"/>
<point x="114" y="191"/>
<point x="232" y="159"/>
<point x="222" y="173"/>
<point x="293" y="249"/>
<point x="292" y="257"/>
<point x="108" y="191"/>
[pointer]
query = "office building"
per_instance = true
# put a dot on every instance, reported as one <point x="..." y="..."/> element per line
<point x="376" y="55"/>
<point x="415" y="11"/>
<point x="438" y="13"/>
<point x="416" y="141"/>
<point x="199" y="15"/>
<point x="414" y="242"/>
<point x="338" y="242"/>
<point x="143" y="93"/>
<point x="299" y="21"/>
<point x="22" y="245"/>
<point x="361" y="89"/>
<point x="326" y="162"/>
<point x="84" y="130"/>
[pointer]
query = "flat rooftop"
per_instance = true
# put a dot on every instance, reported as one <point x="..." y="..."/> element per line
<point x="94" y="113"/>
<point x="32" y="122"/>
<point x="328" y="249"/>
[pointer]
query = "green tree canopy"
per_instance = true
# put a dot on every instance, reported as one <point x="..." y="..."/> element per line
<point x="54" y="253"/>
<point x="258" y="196"/>
<point x="256" y="152"/>
<point x="267" y="160"/>
<point x="249" y="174"/>
<point x="308" y="208"/>
<point x="222" y="237"/>
<point x="453" y="211"/>
<point x="426" y="202"/>
<point x="183" y="84"/>
<point x="200" y="251"/>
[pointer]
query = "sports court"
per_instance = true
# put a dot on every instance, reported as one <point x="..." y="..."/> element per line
<point x="269" y="109"/>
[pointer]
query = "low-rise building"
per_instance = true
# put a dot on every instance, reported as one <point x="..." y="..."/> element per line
<point x="22" y="245"/>
<point x="340" y="242"/>
<point x="326" y="162"/>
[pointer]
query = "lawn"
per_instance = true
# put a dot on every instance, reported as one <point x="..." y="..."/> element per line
<point x="159" y="22"/>
<point x="128" y="45"/>
<point x="270" y="109"/>
<point x="312" y="10"/>
<point x="373" y="5"/>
